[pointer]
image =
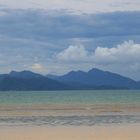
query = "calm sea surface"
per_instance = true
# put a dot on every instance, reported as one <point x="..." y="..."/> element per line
<point x="68" y="108"/>
<point x="70" y="97"/>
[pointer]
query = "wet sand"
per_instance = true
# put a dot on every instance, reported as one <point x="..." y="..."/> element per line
<point x="108" y="132"/>
<point x="66" y="110"/>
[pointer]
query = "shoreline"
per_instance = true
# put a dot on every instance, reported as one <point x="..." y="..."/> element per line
<point x="68" y="110"/>
<point x="69" y="115"/>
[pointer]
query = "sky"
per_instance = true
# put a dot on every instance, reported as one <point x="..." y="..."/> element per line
<point x="57" y="36"/>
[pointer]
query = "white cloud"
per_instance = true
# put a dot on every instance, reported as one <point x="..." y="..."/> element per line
<point x="73" y="53"/>
<point x="125" y="53"/>
<point x="76" y="5"/>
<point x="123" y="59"/>
<point x="37" y="67"/>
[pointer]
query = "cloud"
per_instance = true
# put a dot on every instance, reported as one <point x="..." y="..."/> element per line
<point x="57" y="29"/>
<point x="123" y="58"/>
<point x="86" y="6"/>
<point x="41" y="25"/>
<point x="30" y="37"/>
<point x="73" y="53"/>
<point x="127" y="53"/>
<point x="38" y="67"/>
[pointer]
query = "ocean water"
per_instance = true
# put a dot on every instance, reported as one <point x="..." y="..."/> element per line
<point x="89" y="97"/>
<point x="68" y="108"/>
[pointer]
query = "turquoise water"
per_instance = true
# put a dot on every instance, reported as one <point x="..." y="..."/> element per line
<point x="70" y="97"/>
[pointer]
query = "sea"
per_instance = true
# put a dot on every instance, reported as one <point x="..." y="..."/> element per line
<point x="69" y="108"/>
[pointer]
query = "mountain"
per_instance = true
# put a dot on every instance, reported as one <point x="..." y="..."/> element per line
<point x="74" y="80"/>
<point x="27" y="80"/>
<point x="25" y="74"/>
<point x="96" y="79"/>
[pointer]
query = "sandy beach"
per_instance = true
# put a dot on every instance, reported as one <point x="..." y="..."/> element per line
<point x="113" y="132"/>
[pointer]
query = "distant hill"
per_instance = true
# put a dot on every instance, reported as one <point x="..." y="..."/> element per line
<point x="25" y="75"/>
<point x="74" y="80"/>
<point x="27" y="80"/>
<point x="96" y="79"/>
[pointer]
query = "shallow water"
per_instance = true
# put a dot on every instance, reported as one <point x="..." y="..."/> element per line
<point x="69" y="120"/>
<point x="86" y="108"/>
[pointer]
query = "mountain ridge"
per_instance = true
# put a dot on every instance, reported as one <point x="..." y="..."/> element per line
<point x="74" y="80"/>
<point x="27" y="80"/>
<point x="96" y="77"/>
